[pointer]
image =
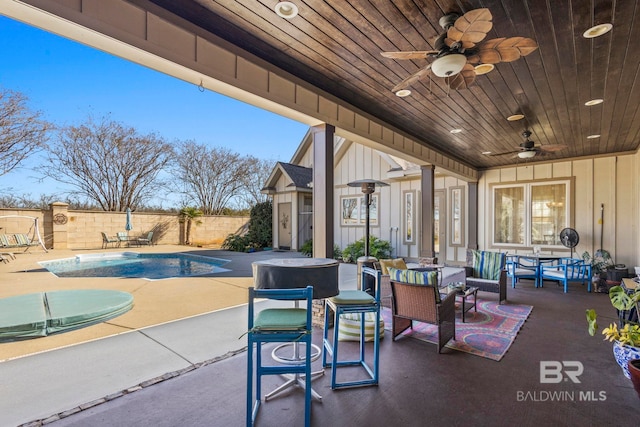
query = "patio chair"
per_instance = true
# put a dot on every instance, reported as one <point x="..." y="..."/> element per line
<point x="359" y="303"/>
<point x="568" y="270"/>
<point x="521" y="268"/>
<point x="122" y="236"/>
<point x="279" y="325"/>
<point x="486" y="271"/>
<point x="106" y="241"/>
<point x="417" y="297"/>
<point x="146" y="240"/>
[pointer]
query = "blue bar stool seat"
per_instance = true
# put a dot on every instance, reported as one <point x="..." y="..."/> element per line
<point x="347" y="302"/>
<point x="278" y="325"/>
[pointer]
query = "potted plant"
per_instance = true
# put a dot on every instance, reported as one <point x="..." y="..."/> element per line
<point x="600" y="262"/>
<point x="626" y="339"/>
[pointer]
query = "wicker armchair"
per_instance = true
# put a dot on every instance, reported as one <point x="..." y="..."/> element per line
<point x="479" y="278"/>
<point x="418" y="302"/>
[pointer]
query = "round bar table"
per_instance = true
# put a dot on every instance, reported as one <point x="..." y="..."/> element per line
<point x="287" y="273"/>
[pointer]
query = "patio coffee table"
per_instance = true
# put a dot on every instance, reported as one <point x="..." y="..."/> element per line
<point x="464" y="294"/>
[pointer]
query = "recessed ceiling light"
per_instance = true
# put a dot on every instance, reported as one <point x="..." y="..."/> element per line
<point x="455" y="130"/>
<point x="594" y="102"/>
<point x="597" y="31"/>
<point x="593" y="136"/>
<point x="403" y="92"/>
<point x="515" y="117"/>
<point x="486" y="153"/>
<point x="286" y="9"/>
<point x="483" y="69"/>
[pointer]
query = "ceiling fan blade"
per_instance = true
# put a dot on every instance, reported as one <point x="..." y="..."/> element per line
<point x="412" y="78"/>
<point x="552" y="148"/>
<point x="463" y="79"/>
<point x="503" y="50"/>
<point x="415" y="54"/>
<point x="470" y="28"/>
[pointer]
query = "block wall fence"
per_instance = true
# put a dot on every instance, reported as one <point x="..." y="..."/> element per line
<point x="61" y="228"/>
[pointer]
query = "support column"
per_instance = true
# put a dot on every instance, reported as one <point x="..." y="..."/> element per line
<point x="427" y="224"/>
<point x="472" y="215"/>
<point x="323" y="191"/>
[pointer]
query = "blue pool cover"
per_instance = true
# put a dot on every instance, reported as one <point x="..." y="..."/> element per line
<point x="45" y="313"/>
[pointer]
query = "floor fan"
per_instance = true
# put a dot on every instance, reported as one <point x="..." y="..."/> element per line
<point x="569" y="238"/>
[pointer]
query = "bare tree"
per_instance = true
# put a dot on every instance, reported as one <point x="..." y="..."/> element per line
<point x="109" y="163"/>
<point x="211" y="176"/>
<point x="254" y="181"/>
<point x="22" y="132"/>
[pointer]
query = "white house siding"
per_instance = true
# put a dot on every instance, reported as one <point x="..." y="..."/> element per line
<point x="610" y="180"/>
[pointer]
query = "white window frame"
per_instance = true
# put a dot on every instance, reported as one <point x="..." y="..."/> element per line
<point x="360" y="209"/>
<point x="527" y="186"/>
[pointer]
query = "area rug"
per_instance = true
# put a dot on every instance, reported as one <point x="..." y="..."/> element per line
<point x="487" y="333"/>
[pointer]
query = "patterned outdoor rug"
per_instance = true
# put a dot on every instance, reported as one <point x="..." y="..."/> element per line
<point x="488" y="333"/>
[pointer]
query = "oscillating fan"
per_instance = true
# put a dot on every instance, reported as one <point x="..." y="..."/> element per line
<point x="569" y="238"/>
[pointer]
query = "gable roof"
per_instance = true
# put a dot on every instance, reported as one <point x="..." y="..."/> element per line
<point x="299" y="177"/>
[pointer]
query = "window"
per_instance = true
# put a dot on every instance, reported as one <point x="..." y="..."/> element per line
<point x="354" y="210"/>
<point x="409" y="216"/>
<point x="457" y="216"/>
<point x="531" y="213"/>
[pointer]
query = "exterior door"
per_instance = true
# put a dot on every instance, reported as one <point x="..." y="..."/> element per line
<point x="440" y="225"/>
<point x="284" y="225"/>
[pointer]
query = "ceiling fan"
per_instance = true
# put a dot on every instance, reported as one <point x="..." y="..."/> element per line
<point x="529" y="149"/>
<point x="457" y="49"/>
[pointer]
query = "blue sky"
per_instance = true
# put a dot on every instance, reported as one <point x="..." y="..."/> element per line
<point x="67" y="81"/>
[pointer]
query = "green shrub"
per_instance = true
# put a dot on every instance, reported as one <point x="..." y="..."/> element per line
<point x="377" y="248"/>
<point x="236" y="243"/>
<point x="307" y="249"/>
<point x="260" y="225"/>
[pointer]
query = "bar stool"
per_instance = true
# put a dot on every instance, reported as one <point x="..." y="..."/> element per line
<point x="278" y="325"/>
<point x="353" y="302"/>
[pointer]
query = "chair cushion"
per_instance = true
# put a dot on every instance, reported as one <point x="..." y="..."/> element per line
<point x="487" y="265"/>
<point x="284" y="319"/>
<point x="353" y="297"/>
<point x="22" y="239"/>
<point x="416" y="277"/>
<point x="349" y="329"/>
<point x="395" y="263"/>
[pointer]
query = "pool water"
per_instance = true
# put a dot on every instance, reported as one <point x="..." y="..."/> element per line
<point x="135" y="265"/>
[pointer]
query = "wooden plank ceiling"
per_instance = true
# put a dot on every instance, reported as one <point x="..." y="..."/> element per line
<point x="336" y="45"/>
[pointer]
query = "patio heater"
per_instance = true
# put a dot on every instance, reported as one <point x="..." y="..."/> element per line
<point x="368" y="186"/>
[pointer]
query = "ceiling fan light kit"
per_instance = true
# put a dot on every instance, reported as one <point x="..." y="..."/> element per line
<point x="461" y="53"/>
<point x="526" y="154"/>
<point x="448" y="65"/>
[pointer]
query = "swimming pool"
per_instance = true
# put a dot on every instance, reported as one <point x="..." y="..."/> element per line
<point x="135" y="265"/>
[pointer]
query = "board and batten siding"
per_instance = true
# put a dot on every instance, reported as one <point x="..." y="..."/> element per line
<point x="610" y="180"/>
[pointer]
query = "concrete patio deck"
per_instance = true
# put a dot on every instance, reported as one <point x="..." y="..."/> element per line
<point x="176" y="325"/>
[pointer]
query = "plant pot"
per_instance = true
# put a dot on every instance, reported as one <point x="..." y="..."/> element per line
<point x="634" y="370"/>
<point x="623" y="354"/>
